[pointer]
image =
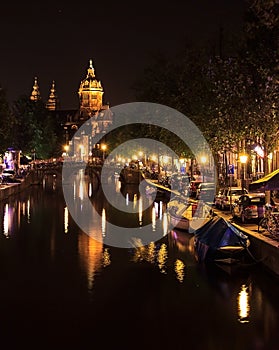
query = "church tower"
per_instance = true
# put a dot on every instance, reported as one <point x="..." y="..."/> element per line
<point x="52" y="103"/>
<point x="90" y="95"/>
<point x="35" y="94"/>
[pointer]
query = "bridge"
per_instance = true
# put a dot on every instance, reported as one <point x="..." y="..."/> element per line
<point x="61" y="172"/>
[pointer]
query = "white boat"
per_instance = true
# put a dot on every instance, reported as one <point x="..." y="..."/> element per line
<point x="188" y="215"/>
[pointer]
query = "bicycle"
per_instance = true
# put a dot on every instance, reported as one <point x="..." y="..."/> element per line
<point x="270" y="222"/>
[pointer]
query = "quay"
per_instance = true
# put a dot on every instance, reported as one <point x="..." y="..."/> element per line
<point x="9" y="189"/>
<point x="263" y="248"/>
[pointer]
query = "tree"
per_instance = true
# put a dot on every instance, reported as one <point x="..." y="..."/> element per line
<point x="261" y="54"/>
<point x="35" y="129"/>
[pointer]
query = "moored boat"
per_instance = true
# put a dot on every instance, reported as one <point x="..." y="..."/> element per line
<point x="188" y="215"/>
<point x="131" y="175"/>
<point x="158" y="191"/>
<point x="219" y="241"/>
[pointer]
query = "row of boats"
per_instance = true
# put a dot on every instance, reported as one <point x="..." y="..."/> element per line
<point x="215" y="238"/>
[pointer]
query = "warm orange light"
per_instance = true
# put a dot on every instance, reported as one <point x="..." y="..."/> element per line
<point x="243" y="158"/>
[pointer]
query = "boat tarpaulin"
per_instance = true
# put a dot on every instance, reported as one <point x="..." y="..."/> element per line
<point x="215" y="234"/>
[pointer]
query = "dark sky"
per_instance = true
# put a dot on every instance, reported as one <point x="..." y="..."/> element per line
<point x="55" y="40"/>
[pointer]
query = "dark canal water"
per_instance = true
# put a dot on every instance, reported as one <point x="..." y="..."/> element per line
<point x="62" y="289"/>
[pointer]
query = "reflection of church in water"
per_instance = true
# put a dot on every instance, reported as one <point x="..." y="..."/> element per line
<point x="91" y="108"/>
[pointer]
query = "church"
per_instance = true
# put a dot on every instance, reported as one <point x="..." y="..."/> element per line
<point x="91" y="107"/>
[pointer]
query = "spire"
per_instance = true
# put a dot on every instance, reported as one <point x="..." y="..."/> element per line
<point x="35" y="94"/>
<point x="90" y="70"/>
<point x="52" y="100"/>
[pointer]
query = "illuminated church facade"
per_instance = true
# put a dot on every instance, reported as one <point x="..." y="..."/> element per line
<point x="91" y="107"/>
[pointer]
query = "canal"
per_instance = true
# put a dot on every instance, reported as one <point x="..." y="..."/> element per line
<point x="63" y="287"/>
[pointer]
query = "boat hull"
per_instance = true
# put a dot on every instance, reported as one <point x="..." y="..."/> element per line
<point x="179" y="223"/>
<point x="218" y="241"/>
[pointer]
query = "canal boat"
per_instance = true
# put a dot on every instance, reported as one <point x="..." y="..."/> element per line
<point x="179" y="214"/>
<point x="131" y="176"/>
<point x="219" y="241"/>
<point x="187" y="214"/>
<point x="159" y="192"/>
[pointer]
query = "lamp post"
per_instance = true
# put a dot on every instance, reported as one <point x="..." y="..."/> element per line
<point x="66" y="148"/>
<point x="81" y="147"/>
<point x="243" y="159"/>
<point x="203" y="161"/>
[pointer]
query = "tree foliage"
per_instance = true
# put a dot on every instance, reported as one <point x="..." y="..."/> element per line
<point x="34" y="130"/>
<point x="230" y="98"/>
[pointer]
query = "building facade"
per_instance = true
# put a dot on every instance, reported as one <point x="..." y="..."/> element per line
<point x="91" y="110"/>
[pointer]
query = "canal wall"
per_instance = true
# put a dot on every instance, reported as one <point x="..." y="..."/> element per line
<point x="7" y="190"/>
<point x="263" y="249"/>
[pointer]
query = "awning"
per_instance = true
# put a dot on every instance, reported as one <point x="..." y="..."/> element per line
<point x="269" y="182"/>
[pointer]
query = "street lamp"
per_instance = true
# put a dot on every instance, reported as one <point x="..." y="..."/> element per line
<point x="66" y="148"/>
<point x="103" y="148"/>
<point x="243" y="159"/>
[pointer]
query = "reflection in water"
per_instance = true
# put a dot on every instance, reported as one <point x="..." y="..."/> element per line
<point x="243" y="304"/>
<point x="162" y="258"/>
<point x="6" y="220"/>
<point x="151" y="251"/>
<point x="135" y="199"/>
<point x="91" y="256"/>
<point x="139" y="250"/>
<point x="63" y="267"/>
<point x="140" y="210"/>
<point x="28" y="212"/>
<point x="104" y="221"/>
<point x="144" y="253"/>
<point x="153" y="219"/>
<point x="106" y="257"/>
<point x="179" y="267"/>
<point x="90" y="190"/>
<point x="54" y="183"/>
<point x="81" y="190"/>
<point x="165" y="224"/>
<point x="66" y="219"/>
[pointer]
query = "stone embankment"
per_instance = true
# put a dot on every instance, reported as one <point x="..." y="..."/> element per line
<point x="263" y="248"/>
<point x="7" y="190"/>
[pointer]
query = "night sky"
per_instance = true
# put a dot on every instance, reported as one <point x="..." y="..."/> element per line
<point x="55" y="40"/>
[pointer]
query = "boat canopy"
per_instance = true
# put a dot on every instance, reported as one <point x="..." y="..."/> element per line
<point x="218" y="233"/>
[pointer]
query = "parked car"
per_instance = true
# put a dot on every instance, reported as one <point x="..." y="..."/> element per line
<point x="250" y="206"/>
<point x="206" y="191"/>
<point x="228" y="195"/>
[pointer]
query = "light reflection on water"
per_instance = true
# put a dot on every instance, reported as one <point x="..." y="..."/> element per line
<point x="74" y="272"/>
<point x="243" y="304"/>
